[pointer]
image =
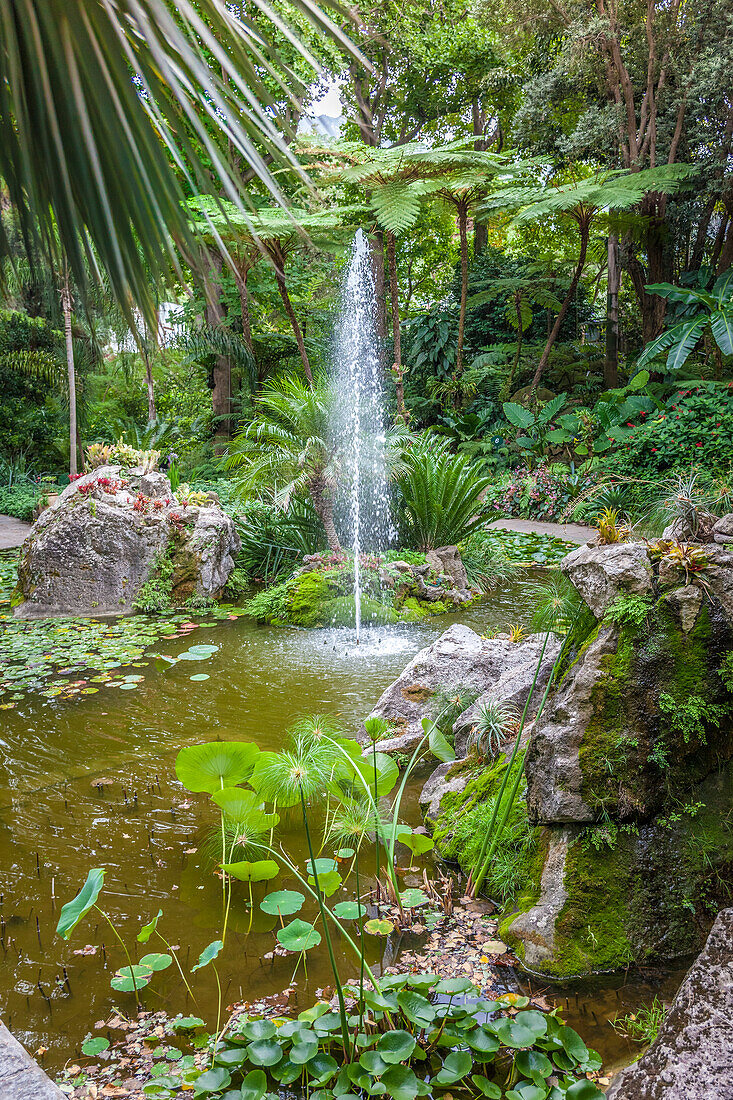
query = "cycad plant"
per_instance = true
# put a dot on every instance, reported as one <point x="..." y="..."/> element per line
<point x="440" y="497"/>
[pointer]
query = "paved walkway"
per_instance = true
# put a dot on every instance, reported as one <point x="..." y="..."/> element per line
<point x="12" y="532"/>
<point x="571" y="532"/>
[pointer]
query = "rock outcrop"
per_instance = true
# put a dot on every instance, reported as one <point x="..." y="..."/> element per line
<point x="693" y="1054"/>
<point x="628" y="769"/>
<point x="107" y="536"/>
<point x="460" y="662"/>
<point x="20" y="1077"/>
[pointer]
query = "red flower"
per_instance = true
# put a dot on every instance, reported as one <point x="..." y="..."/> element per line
<point x="698" y="444"/>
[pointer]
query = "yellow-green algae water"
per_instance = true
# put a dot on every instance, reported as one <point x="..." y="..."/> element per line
<point x="87" y="780"/>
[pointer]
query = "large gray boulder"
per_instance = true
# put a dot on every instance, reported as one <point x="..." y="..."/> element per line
<point x="513" y="685"/>
<point x="459" y="659"/>
<point x="20" y="1077"/>
<point x="602" y="573"/>
<point x="448" y="561"/>
<point x="552" y="764"/>
<point x="692" y="1057"/>
<point x="92" y="551"/>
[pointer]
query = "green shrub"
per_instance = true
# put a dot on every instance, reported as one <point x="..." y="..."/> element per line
<point x="19" y="500"/>
<point x="440" y="497"/>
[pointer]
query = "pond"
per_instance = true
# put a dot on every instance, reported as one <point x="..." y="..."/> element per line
<point x="88" y="780"/>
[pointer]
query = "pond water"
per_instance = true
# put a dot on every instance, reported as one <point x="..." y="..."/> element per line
<point x="88" y="781"/>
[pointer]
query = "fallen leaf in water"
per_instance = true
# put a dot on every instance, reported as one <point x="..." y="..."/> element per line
<point x="90" y="949"/>
<point x="41" y="1051"/>
<point x="190" y="851"/>
<point x="494" y="947"/>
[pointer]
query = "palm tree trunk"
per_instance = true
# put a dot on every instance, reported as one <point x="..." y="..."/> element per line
<point x="394" y="296"/>
<point x="278" y="258"/>
<point x="324" y="507"/>
<point x="554" y="332"/>
<point x="66" y="306"/>
<point x="463" y="234"/>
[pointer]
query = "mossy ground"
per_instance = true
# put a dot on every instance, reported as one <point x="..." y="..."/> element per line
<point x="464" y="820"/>
<point x="317" y="598"/>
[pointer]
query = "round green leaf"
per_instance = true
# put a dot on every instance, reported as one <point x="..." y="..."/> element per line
<point x="216" y="764"/>
<point x="533" y="1064"/>
<point x="322" y="866"/>
<point x="147" y="929"/>
<point x="572" y="1043"/>
<point x="349" y="910"/>
<point x="373" y="1062"/>
<point x="378" y="927"/>
<point x="486" y="1088"/>
<point x="92" y="1047"/>
<point x="584" y="1090"/>
<point x="157" y="961"/>
<point x="198" y="676"/>
<point x="401" y="1083"/>
<point x="259" y="1029"/>
<point x="123" y="979"/>
<point x="304" y="1047"/>
<point x="282" y="903"/>
<point x="412" y="898"/>
<point x="213" y="1080"/>
<point x="416" y="1008"/>
<point x="298" y="936"/>
<point x="418" y="843"/>
<point x="321" y="1068"/>
<point x="396" y="1046"/>
<point x="264" y="1052"/>
<point x="455" y="985"/>
<point x="208" y="955"/>
<point x="254" y="1085"/>
<point x="455" y="1066"/>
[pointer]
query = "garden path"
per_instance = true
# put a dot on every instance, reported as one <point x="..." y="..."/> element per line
<point x="12" y="532"/>
<point x="571" y="532"/>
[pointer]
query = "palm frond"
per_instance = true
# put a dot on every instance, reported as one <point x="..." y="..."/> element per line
<point x="110" y="111"/>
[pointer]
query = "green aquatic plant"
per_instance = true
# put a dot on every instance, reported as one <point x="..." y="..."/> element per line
<point x="642" y="1026"/>
<point x="425" y="1036"/>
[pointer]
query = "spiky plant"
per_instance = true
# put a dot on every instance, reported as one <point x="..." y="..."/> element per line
<point x="686" y="499"/>
<point x="494" y="718"/>
<point x="440" y="497"/>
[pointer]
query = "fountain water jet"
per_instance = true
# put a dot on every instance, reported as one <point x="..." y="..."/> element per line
<point x="359" y="414"/>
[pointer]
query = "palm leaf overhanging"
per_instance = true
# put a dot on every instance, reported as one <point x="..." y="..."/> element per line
<point x="109" y="110"/>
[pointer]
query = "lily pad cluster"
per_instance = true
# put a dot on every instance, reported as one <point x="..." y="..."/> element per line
<point x="523" y="547"/>
<point x="411" y="1035"/>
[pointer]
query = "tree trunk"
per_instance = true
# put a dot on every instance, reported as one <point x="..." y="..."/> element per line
<point x="610" y="365"/>
<point x="394" y="297"/>
<point x="66" y="306"/>
<point x="584" y="234"/>
<point x="376" y="245"/>
<point x="282" y="287"/>
<point x="215" y="315"/>
<point x="324" y="507"/>
<point x="241" y="275"/>
<point x="463" y="234"/>
<point x="506" y="389"/>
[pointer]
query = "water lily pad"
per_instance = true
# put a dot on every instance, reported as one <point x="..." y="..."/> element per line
<point x="298" y="936"/>
<point x="377" y="927"/>
<point x="282" y="903"/>
<point x="199" y="676"/>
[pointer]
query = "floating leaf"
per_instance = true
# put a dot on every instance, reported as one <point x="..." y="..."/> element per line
<point x="264" y="1052"/>
<point x="298" y="936"/>
<point x="92" y="1047"/>
<point x="412" y="898"/>
<point x="79" y="906"/>
<point x="156" y="961"/>
<point x="377" y="927"/>
<point x="213" y="1080"/>
<point x="198" y="676"/>
<point x="416" y="1008"/>
<point x="282" y="903"/>
<point x="349" y="910"/>
<point x="129" y="977"/>
<point x="187" y="1023"/>
<point x="259" y="1029"/>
